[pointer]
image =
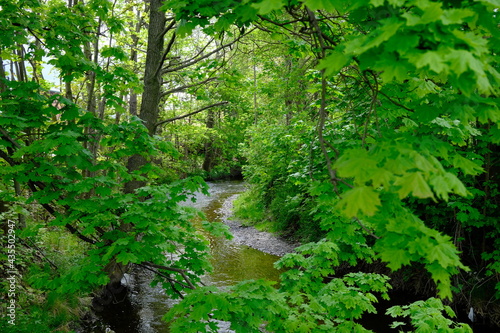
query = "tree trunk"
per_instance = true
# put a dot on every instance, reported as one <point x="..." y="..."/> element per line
<point x="152" y="83"/>
<point x="209" y="151"/>
<point x="3" y="86"/>
<point x="134" y="58"/>
<point x="148" y="112"/>
<point x="152" y="72"/>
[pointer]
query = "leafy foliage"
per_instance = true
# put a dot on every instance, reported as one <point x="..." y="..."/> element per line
<point x="428" y="316"/>
<point x="64" y="168"/>
<point x="399" y="128"/>
<point x="375" y="132"/>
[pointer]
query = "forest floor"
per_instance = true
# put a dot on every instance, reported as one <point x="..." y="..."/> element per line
<point x="247" y="235"/>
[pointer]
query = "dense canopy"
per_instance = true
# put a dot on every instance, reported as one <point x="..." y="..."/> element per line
<point x="367" y="129"/>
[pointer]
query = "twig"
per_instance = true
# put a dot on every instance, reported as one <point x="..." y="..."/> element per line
<point x="178" y="89"/>
<point x="168" y="49"/>
<point x="195" y="60"/>
<point x="168" y="278"/>
<point x="39" y="251"/>
<point x="365" y="228"/>
<point x="394" y="102"/>
<point x="182" y="272"/>
<point x="190" y="114"/>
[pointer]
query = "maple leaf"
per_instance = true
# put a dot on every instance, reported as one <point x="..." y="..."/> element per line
<point x="443" y="253"/>
<point x="362" y="198"/>
<point x="333" y="63"/>
<point x="125" y="258"/>
<point x="434" y="59"/>
<point x="328" y="5"/>
<point x="415" y="184"/>
<point x="265" y="7"/>
<point x="395" y="257"/>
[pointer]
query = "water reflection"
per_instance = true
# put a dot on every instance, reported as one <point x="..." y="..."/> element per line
<point x="235" y="263"/>
<point x="142" y="311"/>
<point x="232" y="262"/>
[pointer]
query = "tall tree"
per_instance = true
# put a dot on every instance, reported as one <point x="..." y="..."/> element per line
<point x="404" y="92"/>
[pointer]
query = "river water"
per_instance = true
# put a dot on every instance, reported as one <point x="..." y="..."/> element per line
<point x="141" y="311"/>
<point x="144" y="306"/>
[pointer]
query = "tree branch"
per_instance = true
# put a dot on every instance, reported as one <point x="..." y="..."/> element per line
<point x="371" y="233"/>
<point x="190" y="114"/>
<point x="169" y="46"/>
<point x="7" y="137"/>
<point x="53" y="212"/>
<point x="197" y="59"/>
<point x="168" y="278"/>
<point x="178" y="89"/>
<point x="182" y="272"/>
<point x="394" y="102"/>
<point x="33" y="186"/>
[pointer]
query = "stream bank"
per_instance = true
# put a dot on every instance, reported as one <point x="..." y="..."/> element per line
<point x="251" y="254"/>
<point x="260" y="240"/>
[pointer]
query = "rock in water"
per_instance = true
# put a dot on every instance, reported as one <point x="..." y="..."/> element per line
<point x="471" y="314"/>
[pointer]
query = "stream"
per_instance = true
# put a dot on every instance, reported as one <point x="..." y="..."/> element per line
<point x="249" y="255"/>
<point x="233" y="261"/>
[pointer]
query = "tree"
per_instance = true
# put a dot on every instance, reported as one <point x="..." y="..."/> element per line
<point x="407" y="94"/>
<point x="380" y="139"/>
<point x="63" y="161"/>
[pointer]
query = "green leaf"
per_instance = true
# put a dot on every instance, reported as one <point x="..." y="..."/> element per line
<point x="487" y="113"/>
<point x="328" y="5"/>
<point x="185" y="28"/>
<point x="103" y="191"/>
<point x="443" y="253"/>
<point x="380" y="35"/>
<point x="432" y="12"/>
<point x="116" y="52"/>
<point x="393" y="68"/>
<point x="442" y="279"/>
<point x="333" y="63"/>
<point x="267" y="6"/>
<point x="395" y="258"/>
<point x="415" y="184"/>
<point x="222" y="24"/>
<point x="381" y="177"/>
<point x="440" y="186"/>
<point x="461" y="61"/>
<point x="434" y="59"/>
<point x="456" y="15"/>
<point x="349" y="164"/>
<point x="468" y="167"/>
<point x="362" y="198"/>
<point x="492" y="3"/>
<point x="126" y="257"/>
<point x="70" y="113"/>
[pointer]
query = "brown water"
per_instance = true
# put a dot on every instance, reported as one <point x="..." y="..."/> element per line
<point x="142" y="310"/>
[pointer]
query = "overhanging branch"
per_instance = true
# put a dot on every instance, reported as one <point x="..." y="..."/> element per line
<point x="36" y="185"/>
<point x="182" y="272"/>
<point x="182" y="88"/>
<point x="201" y="57"/>
<point x="189" y="114"/>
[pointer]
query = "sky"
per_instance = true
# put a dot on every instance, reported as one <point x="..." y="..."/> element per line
<point x="50" y="74"/>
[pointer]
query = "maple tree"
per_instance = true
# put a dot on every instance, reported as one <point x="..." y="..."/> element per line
<point x="405" y="125"/>
<point x="370" y="128"/>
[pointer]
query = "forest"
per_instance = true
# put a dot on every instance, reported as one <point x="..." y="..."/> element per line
<point x="367" y="130"/>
